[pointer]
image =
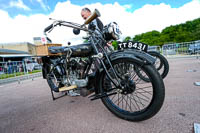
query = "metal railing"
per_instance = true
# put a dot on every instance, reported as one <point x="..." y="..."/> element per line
<point x="18" y="70"/>
<point x="185" y="48"/>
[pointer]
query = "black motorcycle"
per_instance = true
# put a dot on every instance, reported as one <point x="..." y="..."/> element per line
<point x="113" y="77"/>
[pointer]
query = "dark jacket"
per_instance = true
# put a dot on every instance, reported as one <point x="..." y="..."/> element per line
<point x="97" y="22"/>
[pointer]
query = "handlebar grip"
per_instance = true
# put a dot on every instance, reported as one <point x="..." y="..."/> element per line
<point x="94" y="15"/>
<point x="48" y="28"/>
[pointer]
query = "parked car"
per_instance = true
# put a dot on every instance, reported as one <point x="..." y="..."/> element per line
<point x="37" y="66"/>
<point x="153" y="48"/>
<point x="31" y="64"/>
<point x="194" y="48"/>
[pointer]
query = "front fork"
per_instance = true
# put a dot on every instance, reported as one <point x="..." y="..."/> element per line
<point x="118" y="84"/>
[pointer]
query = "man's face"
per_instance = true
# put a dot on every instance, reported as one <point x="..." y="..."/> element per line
<point x="85" y="14"/>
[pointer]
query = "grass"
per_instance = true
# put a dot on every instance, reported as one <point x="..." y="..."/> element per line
<point x="182" y="50"/>
<point x="35" y="71"/>
<point x="5" y="76"/>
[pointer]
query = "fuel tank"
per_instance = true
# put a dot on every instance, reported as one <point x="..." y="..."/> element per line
<point x="82" y="50"/>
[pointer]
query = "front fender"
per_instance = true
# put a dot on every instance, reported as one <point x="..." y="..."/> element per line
<point x="140" y="57"/>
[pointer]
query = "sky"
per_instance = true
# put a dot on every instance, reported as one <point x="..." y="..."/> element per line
<point x="21" y="20"/>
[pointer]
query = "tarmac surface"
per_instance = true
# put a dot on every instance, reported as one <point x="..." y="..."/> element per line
<point x="28" y="107"/>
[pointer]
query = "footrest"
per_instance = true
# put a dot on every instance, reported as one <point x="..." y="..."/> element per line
<point x="67" y="88"/>
<point x="98" y="96"/>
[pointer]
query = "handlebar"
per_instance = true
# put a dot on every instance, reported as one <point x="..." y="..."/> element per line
<point x="64" y="23"/>
<point x="94" y="15"/>
<point x="48" y="28"/>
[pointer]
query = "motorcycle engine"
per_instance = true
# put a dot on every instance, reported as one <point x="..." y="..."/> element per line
<point x="75" y="70"/>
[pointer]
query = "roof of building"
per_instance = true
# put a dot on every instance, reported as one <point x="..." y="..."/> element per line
<point x="14" y="56"/>
<point x="12" y="51"/>
<point x="17" y="43"/>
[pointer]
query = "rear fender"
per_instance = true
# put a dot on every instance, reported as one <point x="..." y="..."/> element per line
<point x="47" y="61"/>
<point x="45" y="66"/>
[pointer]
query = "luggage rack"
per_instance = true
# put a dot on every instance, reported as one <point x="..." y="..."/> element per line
<point x="42" y="50"/>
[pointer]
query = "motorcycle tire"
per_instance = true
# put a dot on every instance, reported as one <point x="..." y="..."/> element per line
<point x="161" y="63"/>
<point x="143" y="101"/>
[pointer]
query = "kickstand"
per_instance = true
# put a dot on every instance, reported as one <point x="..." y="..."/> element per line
<point x="53" y="97"/>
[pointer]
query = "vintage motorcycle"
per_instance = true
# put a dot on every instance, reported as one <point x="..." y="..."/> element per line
<point x="114" y="77"/>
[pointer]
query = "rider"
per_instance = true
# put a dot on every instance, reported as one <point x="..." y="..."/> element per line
<point x="85" y="13"/>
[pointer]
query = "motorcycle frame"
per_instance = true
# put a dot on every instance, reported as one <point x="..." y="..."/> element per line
<point x="96" y="38"/>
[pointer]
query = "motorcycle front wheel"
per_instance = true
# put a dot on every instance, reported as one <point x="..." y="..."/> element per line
<point x="138" y="100"/>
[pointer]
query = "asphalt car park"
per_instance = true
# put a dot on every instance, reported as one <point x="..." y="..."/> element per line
<point x="28" y="107"/>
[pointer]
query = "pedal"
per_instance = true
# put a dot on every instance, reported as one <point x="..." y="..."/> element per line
<point x="67" y="88"/>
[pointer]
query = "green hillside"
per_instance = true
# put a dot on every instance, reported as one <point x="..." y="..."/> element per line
<point x="189" y="31"/>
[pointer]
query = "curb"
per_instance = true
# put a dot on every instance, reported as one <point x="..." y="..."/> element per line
<point x="182" y="56"/>
<point x="20" y="78"/>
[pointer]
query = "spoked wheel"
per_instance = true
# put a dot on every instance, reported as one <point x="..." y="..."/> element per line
<point x="158" y="63"/>
<point x="137" y="100"/>
<point x="161" y="63"/>
<point x="54" y="81"/>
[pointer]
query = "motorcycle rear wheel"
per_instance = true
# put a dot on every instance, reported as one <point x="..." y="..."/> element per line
<point x="54" y="80"/>
<point x="161" y="63"/>
<point x="143" y="101"/>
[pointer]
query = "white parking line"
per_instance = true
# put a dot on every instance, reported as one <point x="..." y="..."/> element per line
<point x="197" y="83"/>
<point x="196" y="128"/>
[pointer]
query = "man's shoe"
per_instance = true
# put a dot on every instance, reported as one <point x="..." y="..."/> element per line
<point x="72" y="93"/>
<point x="85" y="92"/>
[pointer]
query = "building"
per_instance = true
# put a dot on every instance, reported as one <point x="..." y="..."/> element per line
<point x="8" y="51"/>
<point x="20" y="46"/>
<point x="37" y="40"/>
<point x="18" y="50"/>
<point x="41" y="40"/>
<point x="13" y="55"/>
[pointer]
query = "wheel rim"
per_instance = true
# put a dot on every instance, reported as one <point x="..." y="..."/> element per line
<point x="158" y="63"/>
<point x="134" y="102"/>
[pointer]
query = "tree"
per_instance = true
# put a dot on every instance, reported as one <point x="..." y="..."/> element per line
<point x="150" y="38"/>
<point x="115" y="44"/>
<point x="128" y="38"/>
<point x="185" y="32"/>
